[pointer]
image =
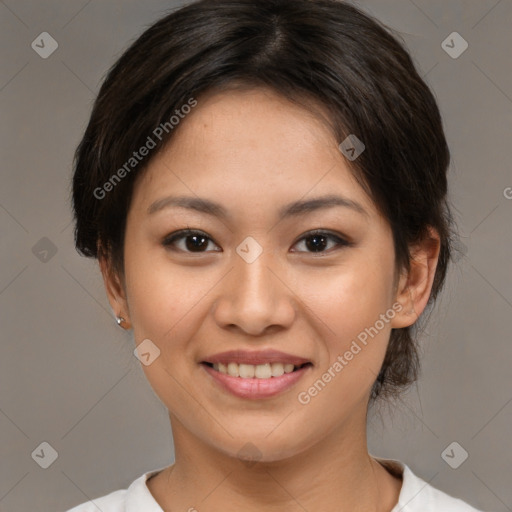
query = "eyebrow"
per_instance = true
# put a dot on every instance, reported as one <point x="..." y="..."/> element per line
<point x="294" y="209"/>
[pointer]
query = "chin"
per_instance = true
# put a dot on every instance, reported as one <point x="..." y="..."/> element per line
<point x="260" y="447"/>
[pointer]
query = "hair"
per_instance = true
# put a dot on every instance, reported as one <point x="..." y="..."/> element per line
<point x="312" y="52"/>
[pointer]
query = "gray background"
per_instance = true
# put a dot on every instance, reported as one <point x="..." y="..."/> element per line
<point x="68" y="374"/>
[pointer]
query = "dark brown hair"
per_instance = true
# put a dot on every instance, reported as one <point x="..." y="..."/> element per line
<point x="323" y="52"/>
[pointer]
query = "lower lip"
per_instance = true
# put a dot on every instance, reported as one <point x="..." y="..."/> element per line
<point x="255" y="388"/>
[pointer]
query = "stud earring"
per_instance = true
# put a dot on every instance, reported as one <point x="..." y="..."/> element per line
<point x="120" y="320"/>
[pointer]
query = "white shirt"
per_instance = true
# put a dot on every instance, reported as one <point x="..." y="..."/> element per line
<point x="416" y="495"/>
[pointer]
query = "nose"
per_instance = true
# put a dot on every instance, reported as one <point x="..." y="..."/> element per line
<point x="255" y="298"/>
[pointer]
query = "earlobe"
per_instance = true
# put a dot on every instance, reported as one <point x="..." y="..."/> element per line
<point x="124" y="324"/>
<point x="415" y="286"/>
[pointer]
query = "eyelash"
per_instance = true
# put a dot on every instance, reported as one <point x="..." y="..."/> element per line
<point x="169" y="240"/>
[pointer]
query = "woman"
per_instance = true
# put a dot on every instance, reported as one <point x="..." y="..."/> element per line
<point x="264" y="186"/>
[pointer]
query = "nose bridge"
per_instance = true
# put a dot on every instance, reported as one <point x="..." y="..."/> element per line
<point x="254" y="279"/>
<point x="252" y="273"/>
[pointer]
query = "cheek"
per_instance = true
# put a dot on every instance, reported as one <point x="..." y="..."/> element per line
<point x="161" y="296"/>
<point x="348" y="305"/>
<point x="348" y="298"/>
<point x="164" y="304"/>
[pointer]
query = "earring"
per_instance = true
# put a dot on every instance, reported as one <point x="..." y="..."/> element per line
<point x="120" y="320"/>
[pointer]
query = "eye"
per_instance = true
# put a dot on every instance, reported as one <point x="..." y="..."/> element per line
<point x="317" y="241"/>
<point x="195" y="241"/>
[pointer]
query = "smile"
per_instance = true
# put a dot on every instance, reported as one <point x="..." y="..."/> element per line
<point x="255" y="381"/>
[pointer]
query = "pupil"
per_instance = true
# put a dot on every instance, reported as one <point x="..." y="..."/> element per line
<point x="315" y="247"/>
<point x="192" y="246"/>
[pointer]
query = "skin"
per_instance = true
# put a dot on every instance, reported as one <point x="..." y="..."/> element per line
<point x="255" y="152"/>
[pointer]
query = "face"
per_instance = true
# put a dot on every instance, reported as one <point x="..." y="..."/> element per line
<point x="258" y="277"/>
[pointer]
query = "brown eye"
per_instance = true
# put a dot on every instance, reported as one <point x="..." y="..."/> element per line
<point x="318" y="241"/>
<point x="194" y="241"/>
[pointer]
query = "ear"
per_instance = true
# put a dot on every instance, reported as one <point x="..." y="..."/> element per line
<point x="413" y="290"/>
<point x="116" y="293"/>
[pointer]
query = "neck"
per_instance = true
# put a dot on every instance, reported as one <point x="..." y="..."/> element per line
<point x="334" y="474"/>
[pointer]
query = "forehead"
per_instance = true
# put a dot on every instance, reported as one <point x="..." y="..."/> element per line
<point x="251" y="145"/>
<point x="241" y="123"/>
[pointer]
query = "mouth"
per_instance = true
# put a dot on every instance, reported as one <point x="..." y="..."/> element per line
<point x="253" y="382"/>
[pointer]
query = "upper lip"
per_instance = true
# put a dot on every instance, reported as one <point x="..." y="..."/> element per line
<point x="255" y="357"/>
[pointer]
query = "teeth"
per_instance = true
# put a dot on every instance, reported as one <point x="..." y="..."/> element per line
<point x="263" y="371"/>
<point x="277" y="369"/>
<point x="232" y="369"/>
<point x="248" y="371"/>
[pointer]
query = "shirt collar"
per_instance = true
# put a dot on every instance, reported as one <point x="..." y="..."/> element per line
<point x="139" y="497"/>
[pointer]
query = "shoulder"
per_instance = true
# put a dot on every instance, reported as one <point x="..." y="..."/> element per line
<point x="133" y="499"/>
<point x="417" y="495"/>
